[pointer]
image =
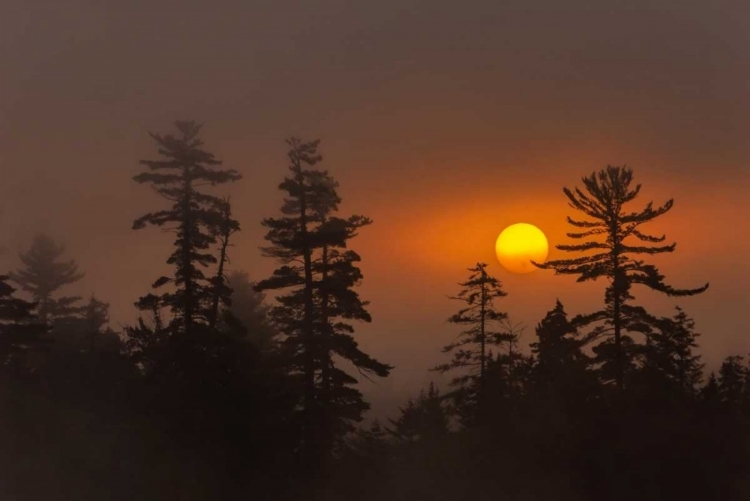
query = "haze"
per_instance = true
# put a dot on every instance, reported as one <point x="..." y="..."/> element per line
<point x="444" y="122"/>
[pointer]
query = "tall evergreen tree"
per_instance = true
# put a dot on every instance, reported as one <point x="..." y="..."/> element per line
<point x="604" y="201"/>
<point x="338" y="273"/>
<point x="44" y="274"/>
<point x="195" y="216"/>
<point x="319" y="275"/>
<point x="471" y="351"/>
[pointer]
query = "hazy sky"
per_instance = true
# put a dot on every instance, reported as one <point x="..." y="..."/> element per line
<point x="443" y="121"/>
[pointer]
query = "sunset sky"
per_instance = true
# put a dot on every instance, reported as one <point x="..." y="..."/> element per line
<point x="443" y="121"/>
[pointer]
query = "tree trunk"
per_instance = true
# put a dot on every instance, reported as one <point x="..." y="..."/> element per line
<point x="617" y="320"/>
<point x="325" y="353"/>
<point x="187" y="264"/>
<point x="308" y="334"/>
<point x="214" y="314"/>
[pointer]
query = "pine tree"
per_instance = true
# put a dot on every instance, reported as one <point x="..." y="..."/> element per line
<point x="20" y="331"/>
<point x="85" y="332"/>
<point x="293" y="246"/>
<point x="96" y="319"/>
<point x="560" y="365"/>
<point x="669" y="352"/>
<point x="319" y="274"/>
<point x="710" y="394"/>
<point x="471" y="351"/>
<point x="196" y="217"/>
<point x="607" y="193"/>
<point x="423" y="418"/>
<point x="339" y="303"/>
<point x="734" y="385"/>
<point x="44" y="274"/>
<point x="193" y="369"/>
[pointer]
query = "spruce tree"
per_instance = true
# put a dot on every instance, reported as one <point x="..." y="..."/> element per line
<point x="44" y="274"/>
<point x="319" y="273"/>
<point x="194" y="215"/>
<point x="470" y="352"/>
<point x="615" y="237"/>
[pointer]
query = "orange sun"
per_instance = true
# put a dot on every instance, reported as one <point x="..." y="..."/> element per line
<point x="518" y="245"/>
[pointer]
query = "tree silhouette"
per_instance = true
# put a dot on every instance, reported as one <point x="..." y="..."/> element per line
<point x="734" y="385"/>
<point x="604" y="201"/>
<point x="96" y="321"/>
<point x="471" y="350"/>
<point x="293" y="247"/>
<point x="422" y="418"/>
<point x="20" y="330"/>
<point x="194" y="216"/>
<point x="319" y="273"/>
<point x="560" y="366"/>
<point x="221" y="291"/>
<point x="87" y="331"/>
<point x="44" y="274"/>
<point x="710" y="395"/>
<point x="669" y="354"/>
<point x="195" y="372"/>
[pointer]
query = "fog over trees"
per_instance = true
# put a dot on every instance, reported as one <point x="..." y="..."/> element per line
<point x="231" y="386"/>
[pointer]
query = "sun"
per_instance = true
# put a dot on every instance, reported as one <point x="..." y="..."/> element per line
<point x="518" y="245"/>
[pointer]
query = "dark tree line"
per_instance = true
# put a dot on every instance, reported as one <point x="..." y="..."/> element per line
<point x="218" y="391"/>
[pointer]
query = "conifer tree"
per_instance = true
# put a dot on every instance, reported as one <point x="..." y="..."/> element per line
<point x="560" y="363"/>
<point x="507" y="361"/>
<point x="669" y="351"/>
<point x="471" y="350"/>
<point x="319" y="273"/>
<point x="86" y="332"/>
<point x="195" y="216"/>
<point x="20" y="330"/>
<point x="604" y="200"/>
<point x="734" y="385"/>
<point x="422" y="418"/>
<point x="96" y="319"/>
<point x="339" y="304"/>
<point x="44" y="274"/>
<point x="710" y="394"/>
